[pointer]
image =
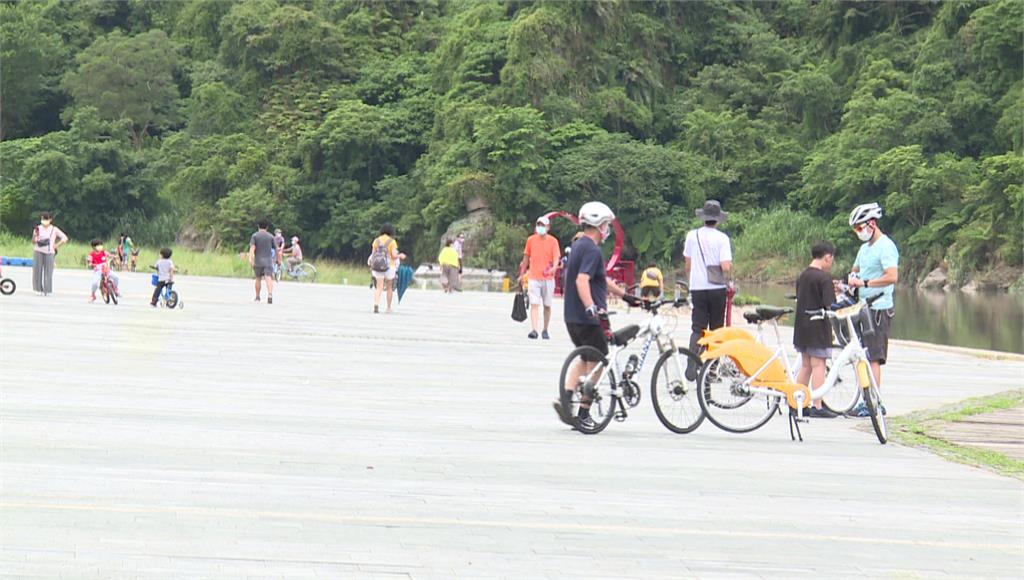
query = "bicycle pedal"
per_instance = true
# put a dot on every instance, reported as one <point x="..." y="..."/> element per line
<point x="620" y="417"/>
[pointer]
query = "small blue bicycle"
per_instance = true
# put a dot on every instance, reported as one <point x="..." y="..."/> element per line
<point x="169" y="297"/>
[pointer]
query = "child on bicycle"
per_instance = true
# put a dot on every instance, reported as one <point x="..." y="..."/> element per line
<point x="652" y="283"/>
<point x="99" y="260"/>
<point x="813" y="338"/>
<point x="165" y="275"/>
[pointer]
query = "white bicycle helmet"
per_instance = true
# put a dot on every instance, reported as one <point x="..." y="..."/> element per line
<point x="865" y="212"/>
<point x="596" y="214"/>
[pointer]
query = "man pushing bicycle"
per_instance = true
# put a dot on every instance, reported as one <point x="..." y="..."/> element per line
<point x="586" y="298"/>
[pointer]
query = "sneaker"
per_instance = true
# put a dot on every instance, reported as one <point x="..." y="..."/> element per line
<point x="545" y="335"/>
<point x="256" y="299"/>
<point x="153" y="304"/>
<point x="563" y="414"/>
<point x="376" y="309"/>
<point x="586" y="423"/>
<point x="817" y="413"/>
<point x="533" y="335"/>
<point x="861" y="410"/>
<point x="270" y="299"/>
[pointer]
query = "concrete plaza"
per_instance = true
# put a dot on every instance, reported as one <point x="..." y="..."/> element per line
<point x="314" y="439"/>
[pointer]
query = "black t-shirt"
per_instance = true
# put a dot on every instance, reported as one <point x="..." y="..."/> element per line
<point x="813" y="291"/>
<point x="586" y="258"/>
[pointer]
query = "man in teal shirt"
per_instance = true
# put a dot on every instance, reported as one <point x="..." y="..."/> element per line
<point x="875" y="271"/>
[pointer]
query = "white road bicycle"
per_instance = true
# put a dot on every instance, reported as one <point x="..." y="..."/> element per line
<point x="610" y="381"/>
<point x="743" y="382"/>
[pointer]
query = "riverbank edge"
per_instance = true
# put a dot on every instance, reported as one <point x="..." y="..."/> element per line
<point x="918" y="430"/>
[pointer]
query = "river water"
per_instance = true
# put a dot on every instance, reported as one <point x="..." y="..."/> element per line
<point x="993" y="321"/>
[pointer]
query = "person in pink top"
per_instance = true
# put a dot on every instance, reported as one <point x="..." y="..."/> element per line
<point x="46" y="239"/>
<point x="294" y="253"/>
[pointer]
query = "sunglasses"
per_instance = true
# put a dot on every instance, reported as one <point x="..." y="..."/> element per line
<point x="861" y="227"/>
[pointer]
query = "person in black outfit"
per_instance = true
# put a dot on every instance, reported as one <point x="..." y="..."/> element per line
<point x="813" y="338"/>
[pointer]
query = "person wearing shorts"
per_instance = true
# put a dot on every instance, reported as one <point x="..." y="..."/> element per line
<point x="813" y="338"/>
<point x="540" y="264"/>
<point x="586" y="297"/>
<point x="385" y="280"/>
<point x="875" y="271"/>
<point x="261" y="258"/>
<point x="652" y="283"/>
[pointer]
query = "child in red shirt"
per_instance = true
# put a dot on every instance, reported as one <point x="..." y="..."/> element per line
<point x="99" y="259"/>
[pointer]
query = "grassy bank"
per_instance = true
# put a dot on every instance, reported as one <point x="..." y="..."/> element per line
<point x="920" y="430"/>
<point x="189" y="262"/>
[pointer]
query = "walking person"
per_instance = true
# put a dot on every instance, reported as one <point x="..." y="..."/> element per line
<point x="450" y="266"/>
<point x="126" y="249"/>
<point x="585" y="299"/>
<point x="383" y="262"/>
<point x="261" y="258"/>
<point x="460" y="240"/>
<point x="875" y="271"/>
<point x="708" y="254"/>
<point x="539" y="266"/>
<point x="813" y="338"/>
<point x="46" y="240"/>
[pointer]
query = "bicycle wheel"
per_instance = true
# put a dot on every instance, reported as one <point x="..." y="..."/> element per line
<point x="7" y="286"/>
<point x="111" y="292"/>
<point x="305" y="273"/>
<point x="873" y="402"/>
<point x="595" y="385"/>
<point x="105" y="291"/>
<point x="729" y="404"/>
<point x="277" y="273"/>
<point x="674" y="397"/>
<point x="845" y="393"/>
<point x="172" y="299"/>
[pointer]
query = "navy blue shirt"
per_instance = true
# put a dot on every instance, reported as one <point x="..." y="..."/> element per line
<point x="586" y="258"/>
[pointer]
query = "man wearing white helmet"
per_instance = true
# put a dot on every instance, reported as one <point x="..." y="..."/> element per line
<point x="586" y="297"/>
<point x="540" y="262"/>
<point x="875" y="271"/>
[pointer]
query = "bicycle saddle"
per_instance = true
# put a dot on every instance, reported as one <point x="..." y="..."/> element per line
<point x="625" y="334"/>
<point x="752" y="317"/>
<point x="772" y="312"/>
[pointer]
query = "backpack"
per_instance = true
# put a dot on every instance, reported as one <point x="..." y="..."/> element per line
<point x="379" y="260"/>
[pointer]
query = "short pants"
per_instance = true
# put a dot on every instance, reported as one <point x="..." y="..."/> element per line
<point x="262" y="271"/>
<point x="542" y="292"/>
<point x="389" y="275"/>
<point x="650" y="292"/>
<point x="815" y="352"/>
<point x="878" y="343"/>
<point x="588" y="335"/>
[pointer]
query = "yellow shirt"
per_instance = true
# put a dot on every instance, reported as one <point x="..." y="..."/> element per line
<point x="390" y="244"/>
<point x="655" y="279"/>
<point x="448" y="257"/>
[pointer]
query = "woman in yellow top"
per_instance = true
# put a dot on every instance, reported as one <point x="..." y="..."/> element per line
<point x="652" y="283"/>
<point x="450" y="265"/>
<point x="383" y="262"/>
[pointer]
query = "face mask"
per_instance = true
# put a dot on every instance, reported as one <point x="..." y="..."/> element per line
<point x="865" y="234"/>
<point x="542" y="230"/>
<point x="605" y="232"/>
<point x="45" y="223"/>
<point x="99" y="248"/>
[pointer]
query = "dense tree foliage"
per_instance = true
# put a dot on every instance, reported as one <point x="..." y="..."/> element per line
<point x="331" y="117"/>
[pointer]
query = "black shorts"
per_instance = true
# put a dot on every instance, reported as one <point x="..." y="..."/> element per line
<point x="262" y="271"/>
<point x="878" y="343"/>
<point x="588" y="335"/>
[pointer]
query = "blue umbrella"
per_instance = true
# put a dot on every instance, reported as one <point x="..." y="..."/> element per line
<point x="405" y="274"/>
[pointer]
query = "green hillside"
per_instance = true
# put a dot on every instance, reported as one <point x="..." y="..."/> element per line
<point x="196" y="118"/>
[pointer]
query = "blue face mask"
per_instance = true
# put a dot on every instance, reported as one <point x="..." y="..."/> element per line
<point x="542" y="230"/>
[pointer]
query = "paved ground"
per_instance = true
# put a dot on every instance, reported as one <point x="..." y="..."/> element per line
<point x="313" y="439"/>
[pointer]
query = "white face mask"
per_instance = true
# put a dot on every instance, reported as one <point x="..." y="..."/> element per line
<point x="865" y="234"/>
<point x="541" y="230"/>
<point x="605" y="232"/>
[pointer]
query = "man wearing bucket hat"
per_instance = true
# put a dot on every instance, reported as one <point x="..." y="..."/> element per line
<point x="540" y="262"/>
<point x="708" y="254"/>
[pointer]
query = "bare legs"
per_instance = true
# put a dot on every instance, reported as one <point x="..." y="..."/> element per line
<point x="812" y="373"/>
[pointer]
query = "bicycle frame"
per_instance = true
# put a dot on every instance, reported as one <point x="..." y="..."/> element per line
<point x="797" y="394"/>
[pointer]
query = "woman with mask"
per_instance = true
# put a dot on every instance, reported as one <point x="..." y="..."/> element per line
<point x="46" y="239"/>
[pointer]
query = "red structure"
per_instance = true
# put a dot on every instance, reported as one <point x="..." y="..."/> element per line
<point x="622" y="271"/>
